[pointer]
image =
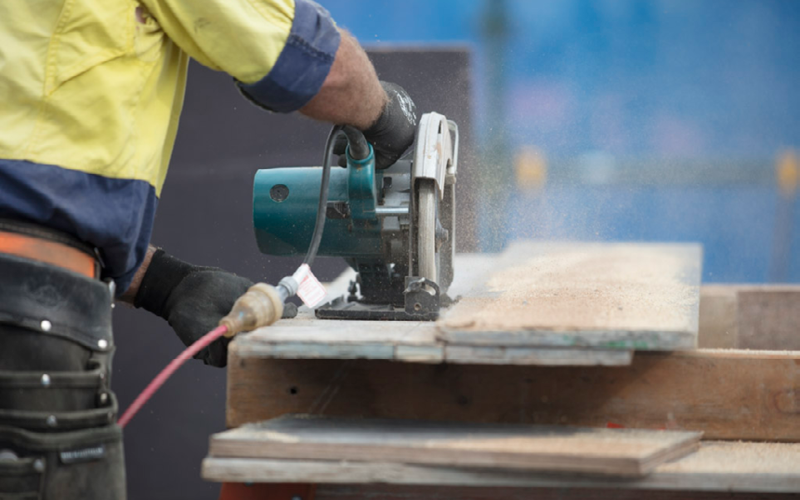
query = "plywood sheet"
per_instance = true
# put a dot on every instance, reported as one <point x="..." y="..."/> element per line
<point x="627" y="295"/>
<point x="624" y="452"/>
<point x="414" y="342"/>
<point x="716" y="466"/>
<point x="576" y="304"/>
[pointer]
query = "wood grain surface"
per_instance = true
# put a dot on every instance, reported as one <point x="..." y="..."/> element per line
<point x="572" y="304"/>
<point x="621" y="452"/>
<point x="768" y="316"/>
<point x="407" y="341"/>
<point x="610" y="295"/>
<point x="750" y="316"/>
<point x="727" y="394"/>
<point x="716" y="467"/>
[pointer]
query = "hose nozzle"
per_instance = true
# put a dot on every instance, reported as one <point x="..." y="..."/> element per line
<point x="260" y="306"/>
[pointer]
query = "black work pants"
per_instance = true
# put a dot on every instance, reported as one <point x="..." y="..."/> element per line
<point x="58" y="437"/>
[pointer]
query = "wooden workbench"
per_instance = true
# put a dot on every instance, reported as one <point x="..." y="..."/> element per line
<point x="727" y="392"/>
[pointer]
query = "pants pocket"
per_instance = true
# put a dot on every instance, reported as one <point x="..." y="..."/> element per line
<point x="20" y="478"/>
<point x="52" y="391"/>
<point x="77" y="465"/>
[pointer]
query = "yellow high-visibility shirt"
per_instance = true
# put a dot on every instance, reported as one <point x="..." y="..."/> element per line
<point x="91" y="93"/>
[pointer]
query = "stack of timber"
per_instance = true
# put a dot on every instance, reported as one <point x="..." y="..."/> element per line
<point x="746" y="403"/>
<point x="740" y="389"/>
<point x="535" y="304"/>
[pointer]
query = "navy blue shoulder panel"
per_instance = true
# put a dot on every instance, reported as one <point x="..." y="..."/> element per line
<point x="113" y="215"/>
<point x="303" y="64"/>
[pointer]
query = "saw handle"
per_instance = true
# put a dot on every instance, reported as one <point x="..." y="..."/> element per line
<point x="358" y="147"/>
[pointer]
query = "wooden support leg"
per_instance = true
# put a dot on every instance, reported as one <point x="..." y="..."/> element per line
<point x="267" y="491"/>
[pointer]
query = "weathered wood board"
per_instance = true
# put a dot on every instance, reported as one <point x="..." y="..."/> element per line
<point x="727" y="394"/>
<point x="750" y="316"/>
<point x="306" y="338"/>
<point x="716" y="466"/>
<point x="607" y="295"/>
<point x="620" y="452"/>
<point x="625" y="321"/>
<point x="718" y="321"/>
<point x="777" y="306"/>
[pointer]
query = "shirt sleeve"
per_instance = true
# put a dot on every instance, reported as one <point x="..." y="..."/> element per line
<point x="278" y="51"/>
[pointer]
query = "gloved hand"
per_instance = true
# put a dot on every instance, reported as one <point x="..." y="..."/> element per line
<point x="192" y="299"/>
<point x="395" y="129"/>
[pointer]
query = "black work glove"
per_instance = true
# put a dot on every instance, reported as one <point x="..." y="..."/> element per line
<point x="192" y="299"/>
<point x="395" y="129"/>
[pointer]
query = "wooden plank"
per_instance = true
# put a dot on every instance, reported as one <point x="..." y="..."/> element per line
<point x="727" y="394"/>
<point x="750" y="316"/>
<point x="619" y="295"/>
<point x="308" y="338"/>
<point x="769" y="317"/>
<point x="619" y="452"/>
<point x="716" y="466"/>
<point x="542" y="356"/>
<point x="402" y="341"/>
<point x="406" y="492"/>
<point x="718" y="320"/>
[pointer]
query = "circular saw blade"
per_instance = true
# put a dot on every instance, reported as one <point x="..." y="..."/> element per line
<point x="427" y="211"/>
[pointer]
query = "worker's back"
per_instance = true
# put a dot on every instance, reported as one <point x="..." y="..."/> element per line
<point x="89" y="86"/>
<point x="90" y="97"/>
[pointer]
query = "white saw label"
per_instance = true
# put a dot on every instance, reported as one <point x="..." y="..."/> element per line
<point x="309" y="289"/>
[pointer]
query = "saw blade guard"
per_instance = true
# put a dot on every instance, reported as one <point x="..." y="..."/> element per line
<point x="432" y="245"/>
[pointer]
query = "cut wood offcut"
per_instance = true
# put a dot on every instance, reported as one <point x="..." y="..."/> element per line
<point x="619" y="296"/>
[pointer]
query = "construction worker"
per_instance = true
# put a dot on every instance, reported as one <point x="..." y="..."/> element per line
<point x="90" y="96"/>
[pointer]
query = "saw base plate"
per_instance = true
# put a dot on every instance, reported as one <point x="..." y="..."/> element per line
<point x="425" y="306"/>
<point x="342" y="309"/>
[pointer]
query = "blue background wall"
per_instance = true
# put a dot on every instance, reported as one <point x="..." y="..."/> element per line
<point x="664" y="85"/>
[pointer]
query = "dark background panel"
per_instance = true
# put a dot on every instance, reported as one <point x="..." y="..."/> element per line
<point x="205" y="218"/>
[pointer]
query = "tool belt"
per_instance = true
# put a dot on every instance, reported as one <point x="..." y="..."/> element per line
<point x="58" y="437"/>
<point x="49" y="246"/>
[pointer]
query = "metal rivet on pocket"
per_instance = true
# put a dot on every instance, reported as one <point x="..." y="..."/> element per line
<point x="102" y="343"/>
<point x="103" y="398"/>
<point x="46" y="325"/>
<point x="38" y="465"/>
<point x="52" y="421"/>
<point x="45" y="380"/>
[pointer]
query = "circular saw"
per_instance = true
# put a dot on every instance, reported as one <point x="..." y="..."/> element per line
<point x="395" y="227"/>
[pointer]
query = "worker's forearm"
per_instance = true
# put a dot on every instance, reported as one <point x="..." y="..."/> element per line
<point x="351" y="94"/>
<point x="130" y="293"/>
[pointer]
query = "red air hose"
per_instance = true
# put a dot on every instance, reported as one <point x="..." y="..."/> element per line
<point x="167" y="372"/>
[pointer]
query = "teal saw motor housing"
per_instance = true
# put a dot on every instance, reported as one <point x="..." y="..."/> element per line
<point x="372" y="222"/>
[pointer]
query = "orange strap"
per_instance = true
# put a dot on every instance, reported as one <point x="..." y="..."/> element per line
<point x="50" y="252"/>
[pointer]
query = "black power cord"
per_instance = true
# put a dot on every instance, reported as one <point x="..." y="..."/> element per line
<point x="358" y="149"/>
